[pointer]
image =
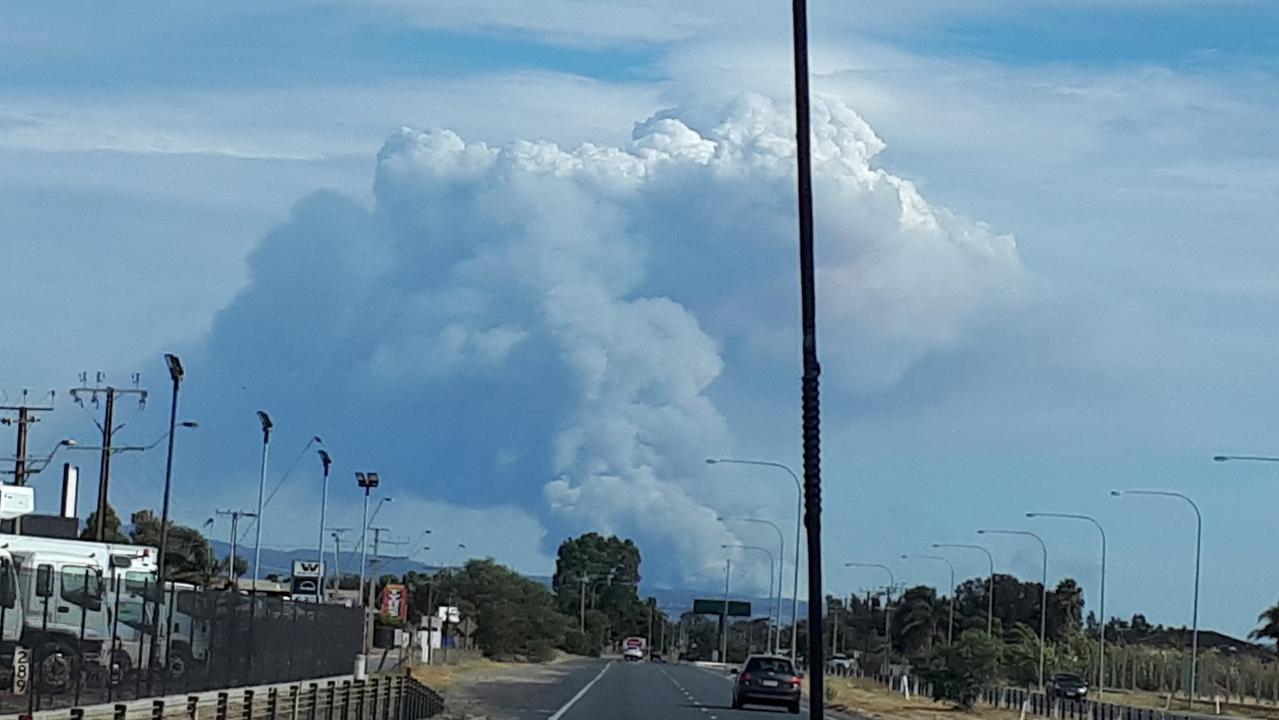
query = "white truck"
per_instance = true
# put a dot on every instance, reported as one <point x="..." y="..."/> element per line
<point x="633" y="648"/>
<point x="65" y="593"/>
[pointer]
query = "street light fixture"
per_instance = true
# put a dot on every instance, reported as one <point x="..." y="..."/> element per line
<point x="1250" y="458"/>
<point x="1199" y="527"/>
<point x="1043" y="603"/>
<point x="950" y="624"/>
<point x="990" y="592"/>
<point x="1101" y="664"/>
<point x="771" y="567"/>
<point x="781" y="561"/>
<point x="799" y="522"/>
<point x="378" y="508"/>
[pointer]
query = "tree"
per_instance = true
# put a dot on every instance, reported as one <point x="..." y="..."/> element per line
<point x="919" y="618"/>
<point x="959" y="672"/>
<point x="607" y="570"/>
<point x="1021" y="656"/>
<point x="187" y="552"/>
<point x="111" y="530"/>
<point x="241" y="566"/>
<point x="1065" y="609"/>
<point x="515" y="617"/>
<point x="1269" y="619"/>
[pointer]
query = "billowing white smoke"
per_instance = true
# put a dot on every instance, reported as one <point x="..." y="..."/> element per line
<point x="633" y="268"/>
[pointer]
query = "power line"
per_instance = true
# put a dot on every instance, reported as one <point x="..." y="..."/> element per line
<point x="315" y="439"/>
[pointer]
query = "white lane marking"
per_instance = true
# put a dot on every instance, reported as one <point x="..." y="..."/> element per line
<point x="565" y="708"/>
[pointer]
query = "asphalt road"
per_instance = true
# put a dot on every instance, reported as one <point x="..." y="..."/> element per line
<point x="601" y="690"/>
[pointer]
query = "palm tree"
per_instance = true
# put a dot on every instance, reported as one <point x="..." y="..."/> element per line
<point x="921" y="619"/>
<point x="1269" y="620"/>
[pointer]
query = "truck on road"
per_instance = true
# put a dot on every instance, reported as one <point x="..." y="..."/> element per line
<point x="633" y="648"/>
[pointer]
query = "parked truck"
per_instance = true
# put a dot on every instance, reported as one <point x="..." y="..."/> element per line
<point x="64" y="599"/>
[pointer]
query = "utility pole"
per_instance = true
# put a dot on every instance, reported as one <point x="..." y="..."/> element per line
<point x="648" y="640"/>
<point x="336" y="533"/>
<point x="26" y="418"/>
<point x="108" y="429"/>
<point x="377" y="540"/>
<point x="581" y="613"/>
<point x="235" y="516"/>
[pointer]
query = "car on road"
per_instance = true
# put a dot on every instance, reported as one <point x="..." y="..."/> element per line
<point x="839" y="665"/>
<point x="767" y="680"/>
<point x="1066" y="686"/>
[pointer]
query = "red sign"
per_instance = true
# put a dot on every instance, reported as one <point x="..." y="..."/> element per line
<point x="395" y="601"/>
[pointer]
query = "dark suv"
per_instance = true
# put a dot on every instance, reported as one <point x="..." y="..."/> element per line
<point x="1066" y="686"/>
<point x="767" y="680"/>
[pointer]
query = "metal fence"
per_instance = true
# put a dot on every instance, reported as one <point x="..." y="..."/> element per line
<point x="128" y="645"/>
<point x="379" y="698"/>
<point x="1037" y="703"/>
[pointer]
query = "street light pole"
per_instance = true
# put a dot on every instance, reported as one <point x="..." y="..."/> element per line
<point x="799" y="522"/>
<point x="888" y="613"/>
<point x="1043" y="602"/>
<point x="1199" y="528"/>
<point x="990" y="593"/>
<point x="723" y="618"/>
<point x="367" y="481"/>
<point x="1101" y="663"/>
<point x="950" y="625"/>
<point x="257" y="541"/>
<point x="326" y="461"/>
<point x="781" y="562"/>
<point x="771" y="568"/>
<point x="175" y="374"/>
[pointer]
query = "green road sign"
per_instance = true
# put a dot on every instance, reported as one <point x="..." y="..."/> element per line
<point x="736" y="608"/>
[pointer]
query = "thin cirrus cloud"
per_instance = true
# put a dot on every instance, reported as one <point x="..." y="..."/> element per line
<point x="545" y="326"/>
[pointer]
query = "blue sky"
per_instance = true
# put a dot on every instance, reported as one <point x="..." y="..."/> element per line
<point x="206" y="178"/>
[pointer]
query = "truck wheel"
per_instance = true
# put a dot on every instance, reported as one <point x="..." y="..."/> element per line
<point x="57" y="669"/>
<point x="121" y="665"/>
<point x="179" y="662"/>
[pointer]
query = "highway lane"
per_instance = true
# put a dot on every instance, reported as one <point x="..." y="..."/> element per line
<point x="612" y="690"/>
<point x="643" y="691"/>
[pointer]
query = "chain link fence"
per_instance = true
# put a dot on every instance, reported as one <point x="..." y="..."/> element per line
<point x="79" y="645"/>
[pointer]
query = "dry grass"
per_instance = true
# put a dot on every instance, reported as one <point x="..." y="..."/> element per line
<point x="1143" y="698"/>
<point x="875" y="701"/>
<point x="441" y="677"/>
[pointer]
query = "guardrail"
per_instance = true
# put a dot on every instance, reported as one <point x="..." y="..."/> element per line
<point x="379" y="698"/>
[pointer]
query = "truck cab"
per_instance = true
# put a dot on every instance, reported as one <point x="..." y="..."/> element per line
<point x="68" y="590"/>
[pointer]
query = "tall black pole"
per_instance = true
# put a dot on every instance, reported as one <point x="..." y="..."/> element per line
<point x="175" y="373"/>
<point x="104" y="469"/>
<point x="810" y="391"/>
